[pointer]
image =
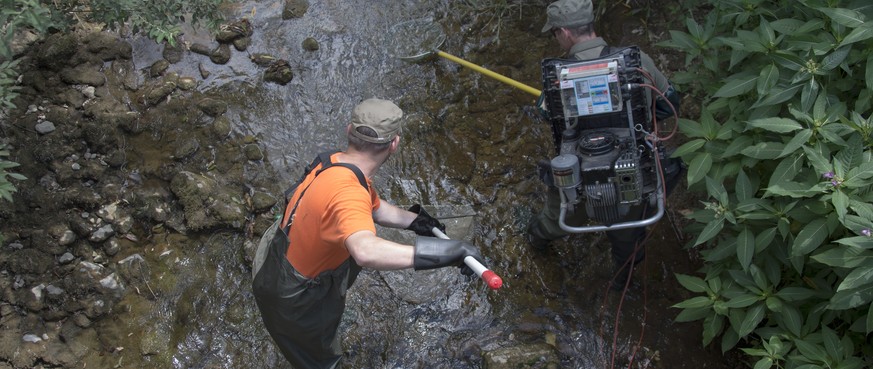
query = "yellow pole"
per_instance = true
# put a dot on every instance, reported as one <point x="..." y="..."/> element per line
<point x="491" y="74"/>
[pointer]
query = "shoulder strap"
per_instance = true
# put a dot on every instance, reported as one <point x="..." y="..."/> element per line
<point x="323" y="159"/>
<point x="607" y="50"/>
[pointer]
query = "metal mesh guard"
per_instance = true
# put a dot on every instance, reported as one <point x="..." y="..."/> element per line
<point x="415" y="40"/>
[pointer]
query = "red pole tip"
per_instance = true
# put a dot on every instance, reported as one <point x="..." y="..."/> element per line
<point x="492" y="279"/>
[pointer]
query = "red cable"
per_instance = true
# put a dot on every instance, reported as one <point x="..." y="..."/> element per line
<point x="654" y="139"/>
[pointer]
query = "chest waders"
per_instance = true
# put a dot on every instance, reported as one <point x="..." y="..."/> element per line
<point x="302" y="314"/>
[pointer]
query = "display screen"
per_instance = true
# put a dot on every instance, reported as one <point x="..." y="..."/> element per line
<point x="590" y="88"/>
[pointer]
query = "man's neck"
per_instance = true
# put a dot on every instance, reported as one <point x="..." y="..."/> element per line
<point x="366" y="162"/>
<point x="584" y="37"/>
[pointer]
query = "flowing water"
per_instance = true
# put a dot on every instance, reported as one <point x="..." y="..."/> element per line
<point x="467" y="141"/>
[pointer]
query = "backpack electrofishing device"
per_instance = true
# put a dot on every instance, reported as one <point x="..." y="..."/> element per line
<point x="600" y="117"/>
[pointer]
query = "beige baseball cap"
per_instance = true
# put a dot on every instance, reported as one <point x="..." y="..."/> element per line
<point x="568" y="14"/>
<point x="381" y="116"/>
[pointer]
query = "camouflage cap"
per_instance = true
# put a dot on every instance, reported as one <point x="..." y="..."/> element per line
<point x="568" y="14"/>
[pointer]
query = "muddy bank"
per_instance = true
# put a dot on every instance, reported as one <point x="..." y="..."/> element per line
<point x="117" y="157"/>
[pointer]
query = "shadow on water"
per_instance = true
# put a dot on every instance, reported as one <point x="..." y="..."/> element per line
<point x="467" y="141"/>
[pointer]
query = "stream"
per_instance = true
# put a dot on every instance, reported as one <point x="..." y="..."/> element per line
<point x="469" y="147"/>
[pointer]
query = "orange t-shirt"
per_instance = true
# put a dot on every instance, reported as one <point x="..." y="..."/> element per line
<point x="334" y="207"/>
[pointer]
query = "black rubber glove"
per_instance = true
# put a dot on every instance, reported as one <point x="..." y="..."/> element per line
<point x="424" y="223"/>
<point x="432" y="253"/>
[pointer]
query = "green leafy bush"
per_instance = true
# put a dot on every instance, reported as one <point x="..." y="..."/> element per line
<point x="6" y="187"/>
<point x="160" y="20"/>
<point x="783" y="149"/>
<point x="14" y="16"/>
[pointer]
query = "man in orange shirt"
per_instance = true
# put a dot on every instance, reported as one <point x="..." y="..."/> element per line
<point x="306" y="262"/>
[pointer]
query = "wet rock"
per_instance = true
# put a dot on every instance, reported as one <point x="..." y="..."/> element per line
<point x="262" y="201"/>
<point x="310" y="44"/>
<point x="262" y="59"/>
<point x="134" y="270"/>
<point x="111" y="247"/>
<point x="253" y="152"/>
<point x="279" y="72"/>
<point x="56" y="50"/>
<point x="70" y="97"/>
<point x="69" y="354"/>
<point x="54" y="291"/>
<point x="122" y="73"/>
<point x="127" y="121"/>
<point x="212" y="107"/>
<point x="221" y="54"/>
<point x="172" y="54"/>
<point x="187" y="83"/>
<point x="67" y="238"/>
<point x="44" y="127"/>
<point x="206" y="203"/>
<point x="158" y="68"/>
<point x="88" y="92"/>
<point x="116" y="158"/>
<point x="108" y="213"/>
<point x="112" y="284"/>
<point x="204" y="73"/>
<point x="99" y="138"/>
<point x="29" y="261"/>
<point x="159" y="93"/>
<point x="81" y="321"/>
<point x="186" y="148"/>
<point x="527" y="356"/>
<point x="73" y="173"/>
<point x="201" y="49"/>
<point x="262" y="223"/>
<point x="83" y="75"/>
<point x="152" y="204"/>
<point x="81" y="226"/>
<point x="107" y="46"/>
<point x="172" y="77"/>
<point x="221" y="127"/>
<point x="22" y="40"/>
<point x="294" y="9"/>
<point x="32" y="338"/>
<point x="100" y="107"/>
<point x="38" y="82"/>
<point x="123" y="224"/>
<point x="66" y="258"/>
<point x="33" y="298"/>
<point x="94" y="307"/>
<point x="230" y="32"/>
<point x="102" y="234"/>
<point x="242" y="43"/>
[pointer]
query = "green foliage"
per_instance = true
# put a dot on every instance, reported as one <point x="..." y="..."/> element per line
<point x="6" y="187"/>
<point x="18" y="14"/>
<point x="8" y="87"/>
<point x="496" y="10"/>
<point x="159" y="19"/>
<point x="14" y="16"/>
<point x="783" y="149"/>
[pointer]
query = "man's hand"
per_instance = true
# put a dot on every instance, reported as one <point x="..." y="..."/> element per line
<point x="424" y="223"/>
<point x="432" y="253"/>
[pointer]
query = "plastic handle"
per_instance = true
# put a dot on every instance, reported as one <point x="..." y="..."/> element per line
<point x="490" y="73"/>
<point x="491" y="279"/>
